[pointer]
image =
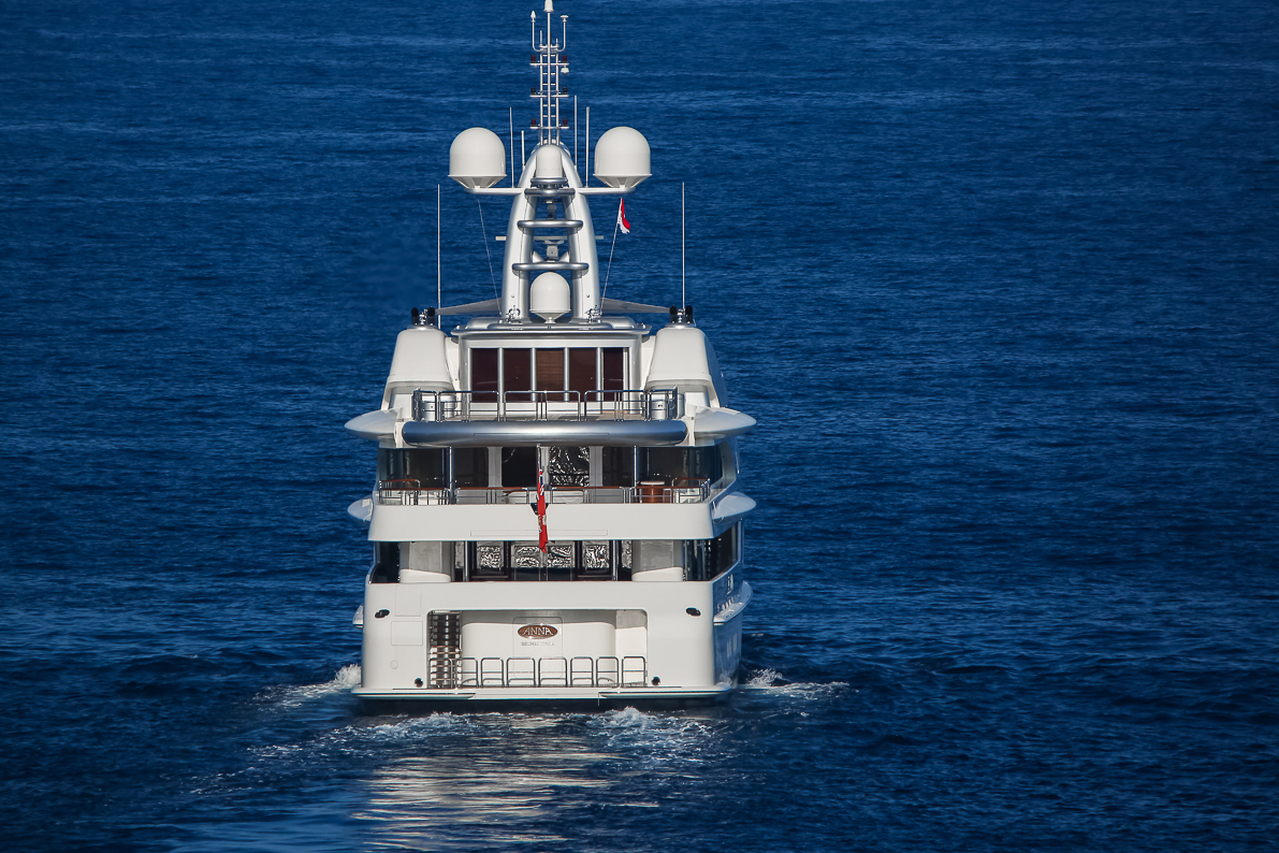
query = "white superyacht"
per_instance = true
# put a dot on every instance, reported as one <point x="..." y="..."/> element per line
<point x="557" y="518"/>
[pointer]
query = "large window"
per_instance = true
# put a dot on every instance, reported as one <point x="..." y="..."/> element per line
<point x="722" y="552"/>
<point x="517" y="369"/>
<point x="471" y="466"/>
<point x="675" y="465"/>
<point x="484" y="375"/>
<point x="411" y="468"/>
<point x="617" y="466"/>
<point x="582" y="375"/>
<point x="580" y="369"/>
<point x="550" y="369"/>
<point x="524" y="561"/>
<point x="519" y="467"/>
<point x="613" y="360"/>
<point x="707" y="559"/>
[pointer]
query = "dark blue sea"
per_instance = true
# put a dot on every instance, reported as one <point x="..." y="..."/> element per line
<point x="1000" y="282"/>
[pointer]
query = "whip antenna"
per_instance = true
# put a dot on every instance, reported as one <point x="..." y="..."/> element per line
<point x="485" y="235"/>
<point x="439" y="285"/>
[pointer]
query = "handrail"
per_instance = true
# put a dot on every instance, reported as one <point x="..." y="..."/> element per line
<point x="698" y="491"/>
<point x="631" y="664"/>
<point x="389" y="485"/>
<point x="681" y="490"/>
<point x="607" y="671"/>
<point x="391" y="493"/>
<point x="658" y="404"/>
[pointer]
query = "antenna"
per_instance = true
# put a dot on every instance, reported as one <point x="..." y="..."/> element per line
<point x="439" y="281"/>
<point x="586" y="174"/>
<point x="550" y="61"/>
<point x="510" y="119"/>
<point x="683" y="298"/>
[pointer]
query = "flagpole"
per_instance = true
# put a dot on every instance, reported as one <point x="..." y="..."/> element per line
<point x="616" y="225"/>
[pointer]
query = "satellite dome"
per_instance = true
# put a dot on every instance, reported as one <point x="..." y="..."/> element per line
<point x="549" y="296"/>
<point x="622" y="158"/>
<point x="477" y="158"/>
<point x="548" y="162"/>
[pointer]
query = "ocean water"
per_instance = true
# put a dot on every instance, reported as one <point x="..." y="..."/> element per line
<point x="999" y="281"/>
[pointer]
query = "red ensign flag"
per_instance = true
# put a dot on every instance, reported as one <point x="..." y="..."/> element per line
<point x="621" y="216"/>
<point x="541" y="509"/>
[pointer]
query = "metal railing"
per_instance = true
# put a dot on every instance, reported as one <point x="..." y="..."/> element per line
<point x="406" y="492"/>
<point x="409" y="492"/>
<point x="598" y="404"/>
<point x="610" y="671"/>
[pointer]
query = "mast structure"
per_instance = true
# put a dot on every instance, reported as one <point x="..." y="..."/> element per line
<point x="549" y="229"/>
<point x="550" y="61"/>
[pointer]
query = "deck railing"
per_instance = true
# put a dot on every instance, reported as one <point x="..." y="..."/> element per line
<point x="408" y="492"/>
<point x="598" y="404"/>
<point x="610" y="671"/>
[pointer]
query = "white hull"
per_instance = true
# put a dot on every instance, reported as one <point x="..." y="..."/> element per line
<point x="613" y="642"/>
<point x="623" y="585"/>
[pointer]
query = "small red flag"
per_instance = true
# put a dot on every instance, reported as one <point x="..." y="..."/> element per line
<point x="621" y="216"/>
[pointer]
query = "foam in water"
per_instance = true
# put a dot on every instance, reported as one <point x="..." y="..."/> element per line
<point x="770" y="681"/>
<point x="287" y="697"/>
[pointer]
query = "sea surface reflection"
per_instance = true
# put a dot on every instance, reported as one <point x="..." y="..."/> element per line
<point x="462" y="782"/>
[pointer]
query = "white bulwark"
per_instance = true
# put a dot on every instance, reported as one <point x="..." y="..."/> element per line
<point x="556" y="518"/>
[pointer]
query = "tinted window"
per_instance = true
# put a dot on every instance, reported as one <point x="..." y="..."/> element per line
<point x="519" y="467"/>
<point x="617" y="466"/>
<point x="484" y="375"/>
<point x="517" y="369"/>
<point x="670" y="464"/>
<point x="614" y="368"/>
<point x="550" y="369"/>
<point x="581" y="370"/>
<point x="423" y="466"/>
<point x="471" y="466"/>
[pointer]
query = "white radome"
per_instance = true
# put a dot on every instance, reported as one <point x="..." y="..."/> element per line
<point x="550" y="296"/>
<point x="477" y="158"/>
<point x="622" y="159"/>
